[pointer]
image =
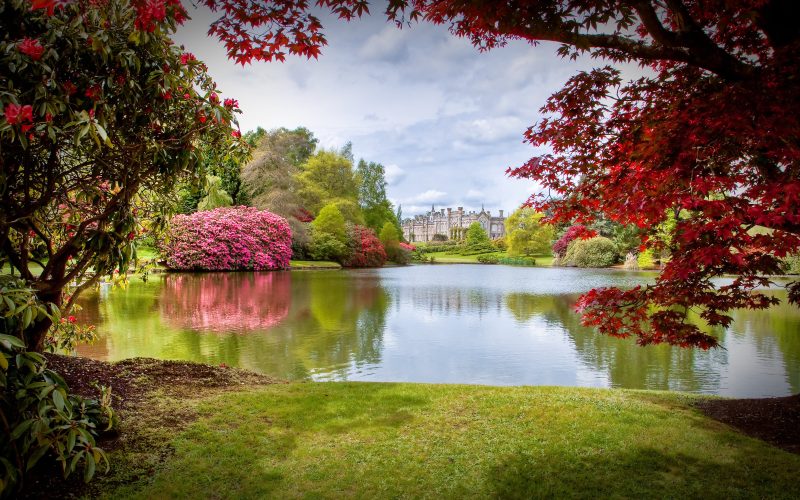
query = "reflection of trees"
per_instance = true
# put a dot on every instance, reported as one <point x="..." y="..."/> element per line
<point x="627" y="364"/>
<point x="453" y="300"/>
<point x="775" y="330"/>
<point x="226" y="302"/>
<point x="290" y="326"/>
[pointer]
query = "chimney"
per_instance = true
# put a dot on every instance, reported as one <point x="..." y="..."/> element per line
<point x="460" y="209"/>
<point x="501" y="214"/>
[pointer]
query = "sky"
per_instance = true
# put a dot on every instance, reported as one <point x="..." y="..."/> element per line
<point x="445" y="120"/>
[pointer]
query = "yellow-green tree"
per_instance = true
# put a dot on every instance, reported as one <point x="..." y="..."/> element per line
<point x="526" y="234"/>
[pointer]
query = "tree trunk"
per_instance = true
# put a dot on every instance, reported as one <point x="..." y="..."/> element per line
<point x="36" y="333"/>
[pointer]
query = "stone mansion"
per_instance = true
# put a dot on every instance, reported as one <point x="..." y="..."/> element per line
<point x="451" y="223"/>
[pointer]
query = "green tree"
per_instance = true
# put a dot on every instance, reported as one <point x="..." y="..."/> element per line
<point x="377" y="209"/>
<point x="331" y="221"/>
<point x="324" y="177"/>
<point x="526" y="235"/>
<point x="216" y="196"/>
<point x="389" y="236"/>
<point x="269" y="179"/>
<point x="476" y="235"/>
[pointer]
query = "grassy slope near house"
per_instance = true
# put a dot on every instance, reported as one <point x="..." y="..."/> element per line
<point x="372" y="440"/>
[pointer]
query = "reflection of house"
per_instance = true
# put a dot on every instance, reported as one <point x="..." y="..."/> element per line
<point x="452" y="224"/>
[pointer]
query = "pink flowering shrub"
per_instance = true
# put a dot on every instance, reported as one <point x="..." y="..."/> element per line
<point x="408" y="246"/>
<point x="228" y="239"/>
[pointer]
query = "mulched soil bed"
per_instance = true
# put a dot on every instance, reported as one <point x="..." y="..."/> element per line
<point x="774" y="420"/>
<point x="131" y="379"/>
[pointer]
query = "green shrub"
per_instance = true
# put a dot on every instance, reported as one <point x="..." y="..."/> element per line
<point x="38" y="415"/>
<point x="488" y="259"/>
<point x="500" y="244"/>
<point x="594" y="252"/>
<point x="518" y="261"/>
<point x="791" y="264"/>
<point x="331" y="221"/>
<point x="325" y="246"/>
<point x="477" y="249"/>
<point x="476" y="235"/>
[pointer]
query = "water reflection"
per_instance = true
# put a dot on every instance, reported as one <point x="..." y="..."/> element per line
<point x="465" y="324"/>
<point x="226" y="302"/>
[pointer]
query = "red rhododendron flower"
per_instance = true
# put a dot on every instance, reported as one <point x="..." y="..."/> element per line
<point x="17" y="114"/>
<point x="231" y="103"/>
<point x="49" y="5"/>
<point x="31" y="48"/>
<point x="213" y="98"/>
<point x="202" y="118"/>
<point x="236" y="133"/>
<point x="69" y="88"/>
<point x="93" y="92"/>
<point x="72" y="319"/>
<point x="186" y="57"/>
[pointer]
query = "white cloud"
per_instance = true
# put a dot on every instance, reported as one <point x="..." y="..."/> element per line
<point x="429" y="196"/>
<point x="394" y="174"/>
<point x="453" y="118"/>
<point x="387" y="46"/>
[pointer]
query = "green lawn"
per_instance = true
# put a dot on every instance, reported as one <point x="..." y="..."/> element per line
<point x="314" y="264"/>
<point x="448" y="258"/>
<point x="366" y="440"/>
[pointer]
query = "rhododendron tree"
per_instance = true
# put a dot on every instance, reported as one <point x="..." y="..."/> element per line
<point x="712" y="130"/>
<point x="228" y="239"/>
<point x="101" y="116"/>
<point x="366" y="249"/>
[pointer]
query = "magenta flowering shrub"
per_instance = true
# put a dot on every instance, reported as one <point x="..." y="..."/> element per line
<point x="228" y="239"/>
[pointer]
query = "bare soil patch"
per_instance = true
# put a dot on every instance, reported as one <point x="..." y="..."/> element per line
<point x="774" y="420"/>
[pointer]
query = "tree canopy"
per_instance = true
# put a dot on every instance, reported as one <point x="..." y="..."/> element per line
<point x="526" y="234"/>
<point x="713" y="129"/>
<point x="100" y="119"/>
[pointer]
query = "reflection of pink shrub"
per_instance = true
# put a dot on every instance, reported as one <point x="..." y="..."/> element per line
<point x="238" y="302"/>
<point x="228" y="239"/>
<point x="367" y="250"/>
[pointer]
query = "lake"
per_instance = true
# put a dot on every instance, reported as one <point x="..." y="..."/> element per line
<point x="471" y="324"/>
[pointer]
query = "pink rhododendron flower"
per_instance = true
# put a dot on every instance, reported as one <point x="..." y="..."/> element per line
<point x="228" y="239"/>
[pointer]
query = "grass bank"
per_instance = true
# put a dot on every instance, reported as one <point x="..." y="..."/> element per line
<point x="370" y="440"/>
<point x="449" y="258"/>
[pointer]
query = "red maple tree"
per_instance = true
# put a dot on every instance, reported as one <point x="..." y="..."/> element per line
<point x="711" y="136"/>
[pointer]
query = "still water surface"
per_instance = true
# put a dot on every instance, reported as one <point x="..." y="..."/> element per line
<point x="470" y="324"/>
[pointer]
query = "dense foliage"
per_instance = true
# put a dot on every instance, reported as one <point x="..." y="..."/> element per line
<point x="38" y="416"/>
<point x="366" y="249"/>
<point x="578" y="231"/>
<point x="100" y="120"/>
<point x="593" y="252"/>
<point x="228" y="239"/>
<point x="526" y="234"/>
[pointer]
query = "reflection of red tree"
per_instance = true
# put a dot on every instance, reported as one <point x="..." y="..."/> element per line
<point x="226" y="302"/>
